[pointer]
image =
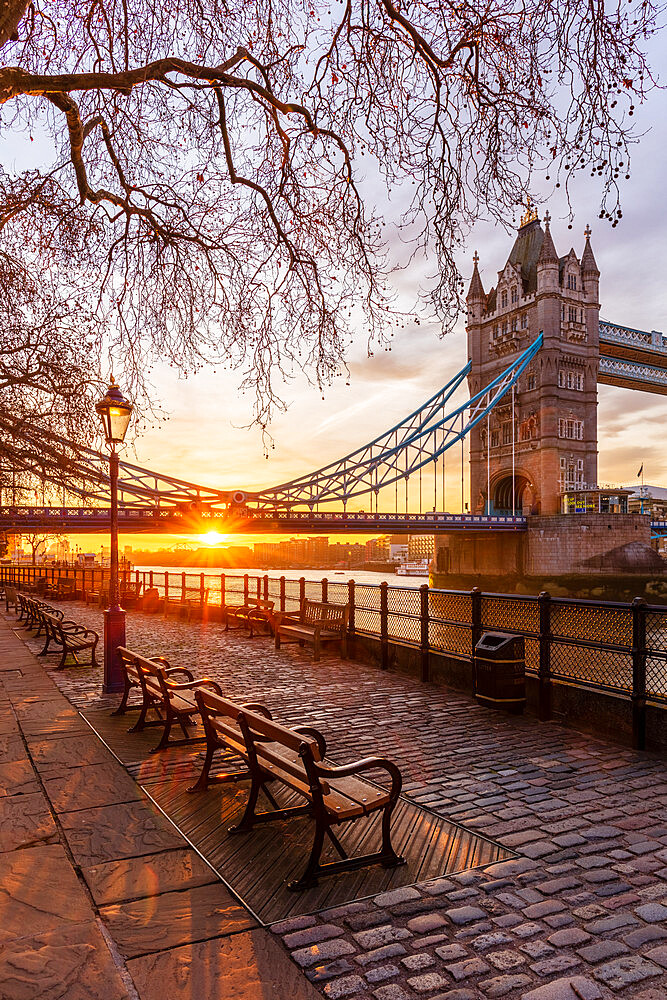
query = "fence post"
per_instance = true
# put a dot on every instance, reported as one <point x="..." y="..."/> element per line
<point x="302" y="590"/>
<point x="350" y="601"/>
<point x="166" y="586"/>
<point x="183" y="588"/>
<point x="245" y="588"/>
<point x="476" y="631"/>
<point x="639" y="673"/>
<point x="222" y="590"/>
<point x="282" y="593"/>
<point x="424" y="644"/>
<point x="266" y="586"/>
<point x="201" y="590"/>
<point x="325" y="590"/>
<point x="544" y="669"/>
<point x="384" y="625"/>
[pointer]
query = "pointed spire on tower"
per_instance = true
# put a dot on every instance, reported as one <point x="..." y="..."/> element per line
<point x="588" y="263"/>
<point x="548" y="253"/>
<point x="476" y="290"/>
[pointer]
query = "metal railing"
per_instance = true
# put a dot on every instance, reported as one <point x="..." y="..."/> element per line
<point x="607" y="646"/>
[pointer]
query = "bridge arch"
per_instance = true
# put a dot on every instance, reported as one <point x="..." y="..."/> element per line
<point x="509" y="493"/>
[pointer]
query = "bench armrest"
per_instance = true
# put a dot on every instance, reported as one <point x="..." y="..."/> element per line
<point x="191" y="685"/>
<point x="260" y="709"/>
<point x="316" y="735"/>
<point x="365" y="764"/>
<point x="160" y="659"/>
<point x="182" y="670"/>
<point x="282" y="618"/>
<point x="67" y="625"/>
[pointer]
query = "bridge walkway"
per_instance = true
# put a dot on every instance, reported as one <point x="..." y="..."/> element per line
<point x="582" y="910"/>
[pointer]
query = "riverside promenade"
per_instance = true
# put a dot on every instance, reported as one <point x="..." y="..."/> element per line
<point x="102" y="897"/>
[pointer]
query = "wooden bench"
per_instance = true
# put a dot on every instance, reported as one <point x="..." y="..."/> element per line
<point x="297" y="758"/>
<point x="130" y="595"/>
<point x="71" y="637"/>
<point x="186" y="607"/>
<point x="316" y="623"/>
<point x="171" y="701"/>
<point x="251" y="615"/>
<point x="65" y="589"/>
<point x="11" y="599"/>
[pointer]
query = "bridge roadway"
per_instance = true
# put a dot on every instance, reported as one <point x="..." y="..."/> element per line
<point x="166" y="520"/>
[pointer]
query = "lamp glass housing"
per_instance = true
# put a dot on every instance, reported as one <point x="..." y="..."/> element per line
<point x="115" y="412"/>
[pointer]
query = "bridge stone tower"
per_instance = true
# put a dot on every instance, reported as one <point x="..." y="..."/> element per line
<point x="543" y="439"/>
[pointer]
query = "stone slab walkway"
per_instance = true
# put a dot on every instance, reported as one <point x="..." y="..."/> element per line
<point x="101" y="898"/>
<point x="582" y="913"/>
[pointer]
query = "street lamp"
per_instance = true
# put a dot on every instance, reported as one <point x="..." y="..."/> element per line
<point x="115" y="412"/>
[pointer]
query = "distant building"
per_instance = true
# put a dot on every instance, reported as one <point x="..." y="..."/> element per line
<point x="421" y="547"/>
<point x="542" y="438"/>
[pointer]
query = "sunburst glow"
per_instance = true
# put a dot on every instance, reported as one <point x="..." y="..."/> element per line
<point x="213" y="538"/>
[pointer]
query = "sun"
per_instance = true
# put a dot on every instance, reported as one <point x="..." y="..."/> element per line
<point x="213" y="538"/>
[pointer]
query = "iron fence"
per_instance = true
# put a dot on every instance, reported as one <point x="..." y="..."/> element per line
<point x="608" y="646"/>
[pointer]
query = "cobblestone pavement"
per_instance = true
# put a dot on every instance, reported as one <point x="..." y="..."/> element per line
<point x="582" y="913"/>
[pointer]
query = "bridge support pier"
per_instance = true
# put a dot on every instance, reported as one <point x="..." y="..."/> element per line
<point x="114" y="636"/>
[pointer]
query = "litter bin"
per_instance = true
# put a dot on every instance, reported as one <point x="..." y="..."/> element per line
<point x="500" y="671"/>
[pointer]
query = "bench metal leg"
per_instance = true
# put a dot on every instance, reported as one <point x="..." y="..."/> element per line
<point x="387" y="856"/>
<point x="122" y="708"/>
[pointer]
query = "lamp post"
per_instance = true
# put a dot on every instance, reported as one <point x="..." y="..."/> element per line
<point x="115" y="412"/>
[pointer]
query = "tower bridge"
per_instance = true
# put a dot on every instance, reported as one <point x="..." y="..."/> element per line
<point x="537" y="350"/>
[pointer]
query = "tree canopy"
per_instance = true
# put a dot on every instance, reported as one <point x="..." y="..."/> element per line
<point x="207" y="191"/>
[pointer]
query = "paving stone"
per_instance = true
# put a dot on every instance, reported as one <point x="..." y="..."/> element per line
<point x="70" y="961"/>
<point x="658" y="955"/>
<point x="471" y="967"/>
<point x="306" y="957"/>
<point x="625" y="971"/>
<point x="378" y="936"/>
<point x="569" y="937"/>
<point x="543" y="909"/>
<point x="312" y="935"/>
<point x="652" y="912"/>
<point x="643" y="935"/>
<point x="460" y="994"/>
<point x="500" y="985"/>
<point x="567" y="988"/>
<point x="529" y="929"/>
<point x="382" y="972"/>
<point x="396" y="896"/>
<point x="556" y="885"/>
<point x="609" y="924"/>
<point x="149" y="875"/>
<point x="430" y="940"/>
<point x="590" y="912"/>
<point x="422" y="960"/>
<point x="146" y="925"/>
<point x="557" y="964"/>
<point x="485" y="941"/>
<point x="427" y="922"/>
<point x="372" y="918"/>
<point x="465" y="915"/>
<point x="601" y="832"/>
<point x="379" y="954"/>
<point x="536" y="949"/>
<point x="321" y="973"/>
<point x="506" y="959"/>
<point x="556" y="920"/>
<point x="390" y="992"/>
<point x="428" y="982"/>
<point x="451" y="952"/>
<point x="345" y="987"/>
<point x="602" y="950"/>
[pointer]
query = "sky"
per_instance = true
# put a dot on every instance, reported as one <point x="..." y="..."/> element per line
<point x="205" y="433"/>
<point x="206" y="439"/>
